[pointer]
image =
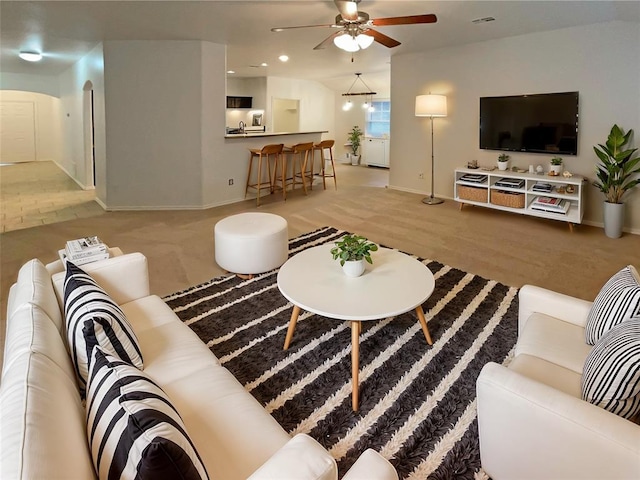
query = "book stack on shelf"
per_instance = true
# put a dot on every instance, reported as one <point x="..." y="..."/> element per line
<point x="542" y="187"/>
<point x="84" y="250"/>
<point x="474" y="178"/>
<point x="552" y="205"/>
<point x="510" y="182"/>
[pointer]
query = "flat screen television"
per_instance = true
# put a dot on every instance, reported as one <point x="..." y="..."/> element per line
<point x="540" y="123"/>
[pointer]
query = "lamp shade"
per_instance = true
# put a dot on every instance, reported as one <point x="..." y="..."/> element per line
<point x="431" y="106"/>
<point x="364" y="41"/>
<point x="346" y="42"/>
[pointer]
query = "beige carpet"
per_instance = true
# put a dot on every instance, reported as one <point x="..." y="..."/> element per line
<point x="511" y="249"/>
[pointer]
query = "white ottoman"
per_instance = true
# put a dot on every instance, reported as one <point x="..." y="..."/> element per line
<point x="251" y="242"/>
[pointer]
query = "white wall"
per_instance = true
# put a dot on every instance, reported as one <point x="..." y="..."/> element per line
<point x="255" y="87"/>
<point x="316" y="103"/>
<point x="600" y="61"/>
<point x="46" y="84"/>
<point x="72" y="121"/>
<point x="47" y="121"/>
<point x="217" y="165"/>
<point x="154" y="103"/>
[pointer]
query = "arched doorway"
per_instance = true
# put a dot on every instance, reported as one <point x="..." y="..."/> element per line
<point x="89" y="133"/>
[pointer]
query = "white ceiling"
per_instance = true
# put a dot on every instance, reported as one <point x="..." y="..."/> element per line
<point x="65" y="31"/>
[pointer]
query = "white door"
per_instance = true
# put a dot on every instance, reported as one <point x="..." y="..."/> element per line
<point x="17" y="132"/>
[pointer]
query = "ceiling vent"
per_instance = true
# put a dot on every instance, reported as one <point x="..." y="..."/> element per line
<point x="483" y="20"/>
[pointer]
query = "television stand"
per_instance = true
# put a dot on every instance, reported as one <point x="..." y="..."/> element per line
<point x="521" y="193"/>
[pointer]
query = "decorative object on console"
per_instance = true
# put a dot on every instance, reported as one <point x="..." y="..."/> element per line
<point x="556" y="165"/>
<point x="431" y="106"/>
<point x="352" y="251"/>
<point x="539" y="170"/>
<point x="503" y="161"/>
<point x="615" y="177"/>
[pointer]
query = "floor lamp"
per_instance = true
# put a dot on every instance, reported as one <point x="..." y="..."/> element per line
<point x="431" y="106"/>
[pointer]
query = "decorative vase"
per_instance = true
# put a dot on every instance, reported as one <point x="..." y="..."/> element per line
<point x="613" y="219"/>
<point x="353" y="268"/>
<point x="556" y="168"/>
<point x="503" y="165"/>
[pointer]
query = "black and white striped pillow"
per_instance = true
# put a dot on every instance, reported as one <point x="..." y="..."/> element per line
<point x="93" y="318"/>
<point x="611" y="376"/>
<point x="618" y="300"/>
<point x="133" y="430"/>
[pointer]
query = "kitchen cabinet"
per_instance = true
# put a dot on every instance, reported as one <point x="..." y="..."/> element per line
<point x="375" y="152"/>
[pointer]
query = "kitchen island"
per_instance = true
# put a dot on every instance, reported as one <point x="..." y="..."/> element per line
<point x="308" y="136"/>
<point x="237" y="146"/>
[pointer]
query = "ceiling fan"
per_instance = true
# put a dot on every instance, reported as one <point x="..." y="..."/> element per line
<point x="355" y="30"/>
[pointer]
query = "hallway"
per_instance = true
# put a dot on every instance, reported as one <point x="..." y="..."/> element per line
<point x="33" y="194"/>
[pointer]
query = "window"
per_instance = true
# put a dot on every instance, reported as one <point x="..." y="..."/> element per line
<point x="379" y="121"/>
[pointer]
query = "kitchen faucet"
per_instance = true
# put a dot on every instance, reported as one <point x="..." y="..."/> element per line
<point x="241" y="124"/>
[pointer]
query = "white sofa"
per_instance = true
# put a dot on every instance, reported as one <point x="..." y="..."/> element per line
<point x="43" y="420"/>
<point x="532" y="421"/>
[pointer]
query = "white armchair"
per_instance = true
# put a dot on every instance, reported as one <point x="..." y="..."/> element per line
<point x="532" y="421"/>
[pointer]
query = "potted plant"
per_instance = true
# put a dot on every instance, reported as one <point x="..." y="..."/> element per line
<point x="352" y="251"/>
<point x="354" y="139"/>
<point x="556" y="165"/>
<point x="615" y="174"/>
<point x="503" y="161"/>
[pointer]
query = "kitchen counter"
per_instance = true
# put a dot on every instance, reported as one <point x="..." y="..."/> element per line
<point x="269" y="134"/>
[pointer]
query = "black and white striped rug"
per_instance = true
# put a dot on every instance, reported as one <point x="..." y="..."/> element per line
<point x="417" y="402"/>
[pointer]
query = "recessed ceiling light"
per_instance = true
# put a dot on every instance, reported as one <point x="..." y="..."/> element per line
<point x="30" y="56"/>
<point x="283" y="58"/>
<point x="231" y="71"/>
<point x="263" y="64"/>
<point x="483" y="20"/>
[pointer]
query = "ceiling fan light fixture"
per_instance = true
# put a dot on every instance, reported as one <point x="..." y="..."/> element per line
<point x="364" y="40"/>
<point x="30" y="56"/>
<point x="346" y="42"/>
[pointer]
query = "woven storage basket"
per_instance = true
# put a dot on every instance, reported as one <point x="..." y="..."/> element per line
<point x="513" y="200"/>
<point x="474" y="194"/>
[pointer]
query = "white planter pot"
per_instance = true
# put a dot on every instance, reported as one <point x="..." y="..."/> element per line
<point x="503" y="165"/>
<point x="353" y="268"/>
<point x="613" y="219"/>
<point x="556" y="168"/>
<point x="355" y="159"/>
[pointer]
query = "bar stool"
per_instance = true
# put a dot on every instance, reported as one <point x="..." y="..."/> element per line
<point x="322" y="146"/>
<point x="265" y="152"/>
<point x="300" y="154"/>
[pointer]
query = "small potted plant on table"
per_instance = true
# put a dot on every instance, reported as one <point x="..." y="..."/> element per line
<point x="352" y="251"/>
<point x="556" y="165"/>
<point x="503" y="161"/>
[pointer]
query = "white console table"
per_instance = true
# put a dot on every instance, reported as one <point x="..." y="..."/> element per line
<point x="481" y="193"/>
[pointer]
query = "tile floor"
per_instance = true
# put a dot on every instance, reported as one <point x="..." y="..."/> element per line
<point x="39" y="193"/>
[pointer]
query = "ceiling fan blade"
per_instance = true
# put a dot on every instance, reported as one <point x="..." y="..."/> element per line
<point x="326" y="41"/>
<point x="348" y="9"/>
<point x="382" y="38"/>
<point x="409" y="20"/>
<point x="280" y="29"/>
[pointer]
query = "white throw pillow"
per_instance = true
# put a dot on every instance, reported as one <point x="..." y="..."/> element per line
<point x="618" y="300"/>
<point x="133" y="429"/>
<point x="611" y="376"/>
<point x="93" y="318"/>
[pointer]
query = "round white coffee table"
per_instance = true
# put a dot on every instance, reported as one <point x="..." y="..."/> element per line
<point x="396" y="283"/>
